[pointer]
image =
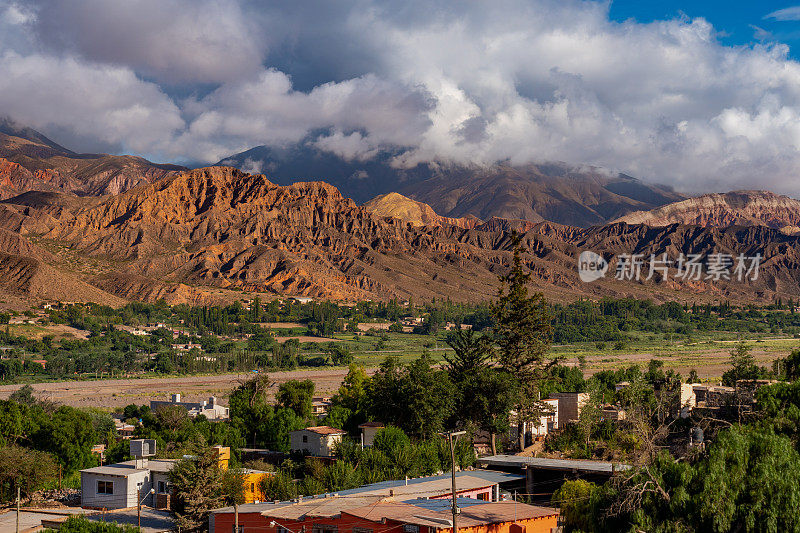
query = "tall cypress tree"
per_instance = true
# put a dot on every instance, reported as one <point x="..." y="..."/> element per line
<point x="523" y="333"/>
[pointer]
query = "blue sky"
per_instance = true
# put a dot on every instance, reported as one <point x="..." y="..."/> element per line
<point x="739" y="22"/>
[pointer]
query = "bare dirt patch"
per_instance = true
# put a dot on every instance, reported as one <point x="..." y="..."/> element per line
<point x="107" y="394"/>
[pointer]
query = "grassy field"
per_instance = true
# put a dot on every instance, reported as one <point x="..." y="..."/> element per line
<point x="708" y="354"/>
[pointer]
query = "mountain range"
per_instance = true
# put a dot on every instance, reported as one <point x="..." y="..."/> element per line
<point x="580" y="196"/>
<point x="122" y="228"/>
<point x="29" y="161"/>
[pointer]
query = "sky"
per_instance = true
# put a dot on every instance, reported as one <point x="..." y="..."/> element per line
<point x="700" y="95"/>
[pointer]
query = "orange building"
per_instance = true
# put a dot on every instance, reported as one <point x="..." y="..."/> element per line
<point x="418" y="505"/>
<point x="252" y="478"/>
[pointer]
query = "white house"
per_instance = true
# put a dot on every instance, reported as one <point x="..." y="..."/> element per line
<point x="210" y="409"/>
<point x="124" y="485"/>
<point x="317" y="441"/>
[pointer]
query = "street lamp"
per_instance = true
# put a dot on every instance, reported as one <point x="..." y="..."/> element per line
<point x="139" y="505"/>
<point x="451" y="437"/>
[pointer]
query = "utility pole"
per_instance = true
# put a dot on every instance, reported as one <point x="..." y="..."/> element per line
<point x="235" y="517"/>
<point x="451" y="438"/>
<point x="17" y="509"/>
<point x="139" y="508"/>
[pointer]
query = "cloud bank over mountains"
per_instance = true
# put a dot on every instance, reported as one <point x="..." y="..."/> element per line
<point x="476" y="82"/>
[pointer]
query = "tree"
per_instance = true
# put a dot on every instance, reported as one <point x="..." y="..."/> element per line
<point x="417" y="398"/>
<point x="577" y="500"/>
<point x="791" y="366"/>
<point x="24" y="468"/>
<point x="485" y="399"/>
<point x="749" y="482"/>
<point x="389" y="439"/>
<point x="471" y="353"/>
<point x="297" y="395"/>
<point x="69" y="435"/>
<point x="522" y="333"/>
<point x="198" y="488"/>
<point x="743" y="365"/>
<point x="353" y="392"/>
<point x="232" y="487"/>
<point x="340" y="355"/>
<point x="249" y="407"/>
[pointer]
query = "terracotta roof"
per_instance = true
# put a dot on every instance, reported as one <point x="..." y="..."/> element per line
<point x="326" y="430"/>
<point x="371" y="425"/>
<point x="471" y="516"/>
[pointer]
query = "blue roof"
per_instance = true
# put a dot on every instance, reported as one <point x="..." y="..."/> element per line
<point x="491" y="476"/>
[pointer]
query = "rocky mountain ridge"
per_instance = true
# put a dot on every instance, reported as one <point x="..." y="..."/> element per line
<point x="736" y="208"/>
<point x="29" y="161"/>
<point x="215" y="233"/>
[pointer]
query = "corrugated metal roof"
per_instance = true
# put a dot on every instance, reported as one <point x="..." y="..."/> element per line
<point x="580" y="465"/>
<point x="399" y="489"/>
<point x="480" y="513"/>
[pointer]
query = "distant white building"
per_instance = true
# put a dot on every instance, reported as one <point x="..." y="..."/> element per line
<point x="368" y="432"/>
<point x="317" y="441"/>
<point x="210" y="409"/>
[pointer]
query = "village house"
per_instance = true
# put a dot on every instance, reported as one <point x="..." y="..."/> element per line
<point x="316" y="441"/>
<point x="536" y="429"/>
<point x="123" y="485"/>
<point x="368" y="432"/>
<point x="569" y="406"/>
<point x="320" y="406"/>
<point x="420" y="505"/>
<point x="210" y="409"/>
<point x="186" y="347"/>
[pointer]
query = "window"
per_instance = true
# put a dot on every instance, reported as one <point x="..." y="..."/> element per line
<point x="305" y="438"/>
<point x="324" y="528"/>
<point x="362" y="530"/>
<point x="410" y="528"/>
<point x="162" y="487"/>
<point x="105" y="487"/>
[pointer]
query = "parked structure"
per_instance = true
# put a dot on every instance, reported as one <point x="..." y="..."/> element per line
<point x="317" y="441"/>
<point x="210" y="409"/>
<point x="394" y="505"/>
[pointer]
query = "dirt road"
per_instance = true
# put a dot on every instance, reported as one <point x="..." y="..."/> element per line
<point x="110" y="393"/>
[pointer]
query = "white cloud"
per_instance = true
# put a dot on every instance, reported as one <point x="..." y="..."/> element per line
<point x="478" y="82"/>
<point x="174" y="41"/>
<point x="789" y="13"/>
<point x="108" y="103"/>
